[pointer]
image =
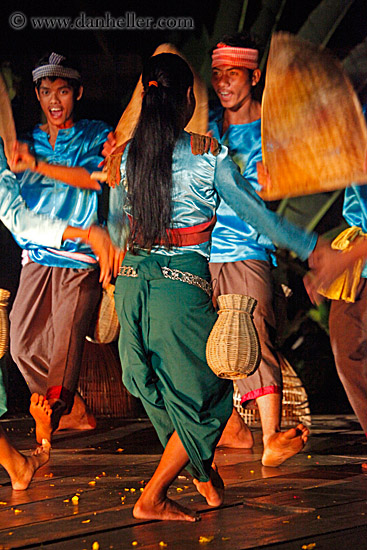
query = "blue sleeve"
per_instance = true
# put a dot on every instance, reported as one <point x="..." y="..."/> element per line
<point x="16" y="216"/>
<point x="236" y="191"/>
<point x="92" y="147"/>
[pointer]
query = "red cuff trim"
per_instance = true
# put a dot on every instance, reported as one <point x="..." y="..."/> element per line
<point x="59" y="392"/>
<point x="259" y="393"/>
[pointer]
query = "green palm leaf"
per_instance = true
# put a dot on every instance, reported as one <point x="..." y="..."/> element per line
<point x="355" y="65"/>
<point x="324" y="20"/>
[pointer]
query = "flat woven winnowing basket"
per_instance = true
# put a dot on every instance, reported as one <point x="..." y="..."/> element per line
<point x="295" y="407"/>
<point x="7" y="126"/>
<point x="233" y="349"/>
<point x="4" y="321"/>
<point x="126" y="125"/>
<point x="314" y="135"/>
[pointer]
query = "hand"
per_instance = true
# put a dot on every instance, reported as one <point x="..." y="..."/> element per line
<point x="116" y="259"/>
<point x="21" y="158"/>
<point x="327" y="264"/>
<point x="312" y="286"/>
<point x="108" y="255"/>
<point x="109" y="145"/>
<point x="263" y="176"/>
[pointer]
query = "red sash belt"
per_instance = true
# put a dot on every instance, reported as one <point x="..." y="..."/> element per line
<point x="189" y="236"/>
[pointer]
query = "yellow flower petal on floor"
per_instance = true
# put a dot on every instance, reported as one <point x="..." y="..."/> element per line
<point x="205" y="540"/>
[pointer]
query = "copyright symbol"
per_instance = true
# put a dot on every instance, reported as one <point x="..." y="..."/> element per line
<point x="17" y="20"/>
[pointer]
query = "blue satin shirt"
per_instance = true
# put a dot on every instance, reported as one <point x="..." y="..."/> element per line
<point x="198" y="183"/>
<point x="18" y="218"/>
<point x="234" y="239"/>
<point x="80" y="145"/>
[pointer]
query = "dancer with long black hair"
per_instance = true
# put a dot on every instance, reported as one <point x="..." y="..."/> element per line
<point x="163" y="211"/>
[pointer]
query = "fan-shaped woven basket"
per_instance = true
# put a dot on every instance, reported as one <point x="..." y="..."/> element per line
<point x="314" y="135"/>
<point x="107" y="325"/>
<point x="4" y="321"/>
<point x="295" y="406"/>
<point x="126" y="125"/>
<point x="100" y="383"/>
<point x="233" y="349"/>
<point x="7" y="126"/>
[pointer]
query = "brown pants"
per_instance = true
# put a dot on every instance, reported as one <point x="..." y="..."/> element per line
<point x="253" y="277"/>
<point x="348" y="337"/>
<point x="50" y="318"/>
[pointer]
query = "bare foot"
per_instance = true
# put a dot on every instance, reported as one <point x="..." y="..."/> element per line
<point x="282" y="445"/>
<point x="80" y="417"/>
<point x="213" y="490"/>
<point x="165" y="509"/>
<point x="24" y="467"/>
<point x="236" y="434"/>
<point x="41" y="412"/>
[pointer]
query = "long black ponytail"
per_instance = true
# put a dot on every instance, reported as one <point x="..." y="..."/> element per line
<point x="166" y="79"/>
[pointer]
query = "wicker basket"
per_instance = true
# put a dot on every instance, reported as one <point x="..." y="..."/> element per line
<point x="233" y="349"/>
<point x="129" y="118"/>
<point x="107" y="325"/>
<point x="314" y="135"/>
<point x="7" y="126"/>
<point x="100" y="383"/>
<point x="295" y="407"/>
<point x="4" y="321"/>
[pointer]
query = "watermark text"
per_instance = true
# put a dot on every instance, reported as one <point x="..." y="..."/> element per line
<point x="129" y="21"/>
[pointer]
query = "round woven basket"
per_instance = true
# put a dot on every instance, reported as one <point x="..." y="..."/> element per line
<point x="107" y="325"/>
<point x="233" y="349"/>
<point x="295" y="406"/>
<point x="4" y="321"/>
<point x="100" y="383"/>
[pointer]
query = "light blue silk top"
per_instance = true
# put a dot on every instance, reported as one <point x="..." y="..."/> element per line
<point x="355" y="205"/>
<point x="198" y="182"/>
<point x="80" y="145"/>
<point x="234" y="239"/>
<point x="18" y="218"/>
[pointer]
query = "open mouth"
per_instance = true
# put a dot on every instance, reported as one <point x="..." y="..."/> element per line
<point x="56" y="112"/>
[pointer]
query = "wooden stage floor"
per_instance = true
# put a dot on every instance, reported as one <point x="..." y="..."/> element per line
<point x="317" y="500"/>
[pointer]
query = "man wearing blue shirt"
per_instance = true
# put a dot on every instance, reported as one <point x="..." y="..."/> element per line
<point x="241" y="258"/>
<point x="59" y="288"/>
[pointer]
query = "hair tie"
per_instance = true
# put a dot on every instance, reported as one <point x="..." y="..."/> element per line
<point x="153" y="83"/>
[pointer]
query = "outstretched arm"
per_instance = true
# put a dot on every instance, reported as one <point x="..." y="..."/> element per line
<point x="243" y="199"/>
<point x="76" y="176"/>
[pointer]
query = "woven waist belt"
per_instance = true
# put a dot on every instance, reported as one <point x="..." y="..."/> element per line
<point x="175" y="275"/>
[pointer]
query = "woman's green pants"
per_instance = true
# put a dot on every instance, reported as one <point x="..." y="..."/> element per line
<point x="164" y="328"/>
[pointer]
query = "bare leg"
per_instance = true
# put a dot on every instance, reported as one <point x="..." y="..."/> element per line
<point x="19" y="467"/>
<point x="212" y="490"/>
<point x="154" y="503"/>
<point x="41" y="411"/>
<point x="278" y="446"/>
<point x="236" y="434"/>
<point x="80" y="417"/>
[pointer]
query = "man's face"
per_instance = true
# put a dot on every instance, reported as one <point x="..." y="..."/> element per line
<point x="57" y="101"/>
<point x="232" y="85"/>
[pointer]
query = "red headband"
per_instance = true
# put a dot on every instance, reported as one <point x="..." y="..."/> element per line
<point x="235" y="56"/>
